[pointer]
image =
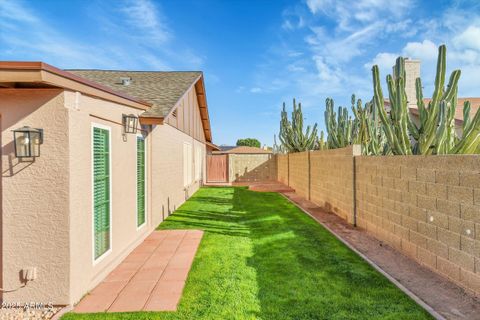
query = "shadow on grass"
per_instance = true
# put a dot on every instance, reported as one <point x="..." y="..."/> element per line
<point x="263" y="258"/>
<point x="301" y="271"/>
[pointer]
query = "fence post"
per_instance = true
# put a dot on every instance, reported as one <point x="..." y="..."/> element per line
<point x="309" y="176"/>
<point x="356" y="151"/>
<point x="288" y="169"/>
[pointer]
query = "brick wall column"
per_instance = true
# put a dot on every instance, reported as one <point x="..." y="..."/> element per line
<point x="288" y="169"/>
<point x="309" y="176"/>
<point x="356" y="151"/>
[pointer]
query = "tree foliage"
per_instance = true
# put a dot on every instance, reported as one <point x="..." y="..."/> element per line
<point x="249" y="142"/>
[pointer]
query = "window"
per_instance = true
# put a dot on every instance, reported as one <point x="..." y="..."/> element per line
<point x="198" y="163"/>
<point x="101" y="191"/>
<point x="187" y="164"/>
<point x="141" y="167"/>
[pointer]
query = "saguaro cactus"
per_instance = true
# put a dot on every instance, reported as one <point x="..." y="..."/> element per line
<point x="292" y="136"/>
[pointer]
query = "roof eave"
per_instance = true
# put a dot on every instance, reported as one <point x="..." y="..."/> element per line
<point x="40" y="72"/>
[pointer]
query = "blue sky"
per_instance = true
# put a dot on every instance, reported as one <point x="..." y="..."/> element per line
<point x="255" y="54"/>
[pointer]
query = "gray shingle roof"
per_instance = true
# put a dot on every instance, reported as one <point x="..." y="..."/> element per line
<point x="162" y="89"/>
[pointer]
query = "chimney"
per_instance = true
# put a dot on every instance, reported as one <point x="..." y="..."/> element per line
<point x="412" y="72"/>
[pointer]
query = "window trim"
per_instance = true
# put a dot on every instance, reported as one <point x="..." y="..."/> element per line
<point x="139" y="135"/>
<point x="94" y="125"/>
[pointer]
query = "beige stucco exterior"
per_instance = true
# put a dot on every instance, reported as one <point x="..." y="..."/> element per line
<point x="35" y="198"/>
<point x="47" y="204"/>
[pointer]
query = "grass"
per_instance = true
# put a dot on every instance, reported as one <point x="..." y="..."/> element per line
<point x="263" y="258"/>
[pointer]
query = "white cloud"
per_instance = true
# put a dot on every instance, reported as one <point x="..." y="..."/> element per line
<point x="256" y="90"/>
<point x="131" y="35"/>
<point x="425" y="51"/>
<point x="469" y="39"/>
<point x="347" y="14"/>
<point x="145" y="16"/>
<point x="316" y="6"/>
<point x="384" y="61"/>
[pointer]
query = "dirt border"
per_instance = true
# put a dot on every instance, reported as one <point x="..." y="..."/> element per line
<point x="437" y="295"/>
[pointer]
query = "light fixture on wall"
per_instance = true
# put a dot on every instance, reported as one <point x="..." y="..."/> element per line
<point x="130" y="123"/>
<point x="27" y="142"/>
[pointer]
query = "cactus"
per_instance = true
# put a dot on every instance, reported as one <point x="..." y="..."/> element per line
<point x="364" y="129"/>
<point x="436" y="131"/>
<point x="370" y="134"/>
<point x="322" y="144"/>
<point x="395" y="124"/>
<point x="339" y="128"/>
<point x="292" y="136"/>
<point x="276" y="147"/>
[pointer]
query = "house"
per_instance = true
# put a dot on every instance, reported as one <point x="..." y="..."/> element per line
<point x="101" y="158"/>
<point x="412" y="72"/>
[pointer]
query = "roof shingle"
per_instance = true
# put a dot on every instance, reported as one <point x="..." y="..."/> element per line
<point x="162" y="89"/>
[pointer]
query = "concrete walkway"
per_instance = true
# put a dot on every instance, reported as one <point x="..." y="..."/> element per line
<point x="151" y="278"/>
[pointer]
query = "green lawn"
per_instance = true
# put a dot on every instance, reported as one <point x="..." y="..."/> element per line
<point x="263" y="258"/>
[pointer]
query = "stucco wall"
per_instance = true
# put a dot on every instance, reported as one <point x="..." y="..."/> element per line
<point x="35" y="198"/>
<point x="167" y="170"/>
<point x="47" y="218"/>
<point x="252" y="167"/>
<point x="83" y="112"/>
<point x="165" y="190"/>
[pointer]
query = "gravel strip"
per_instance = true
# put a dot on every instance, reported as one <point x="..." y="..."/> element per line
<point x="21" y="313"/>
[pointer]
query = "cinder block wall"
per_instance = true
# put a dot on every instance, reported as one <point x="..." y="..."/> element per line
<point x="332" y="181"/>
<point x="252" y="167"/>
<point x="282" y="168"/>
<point x="426" y="207"/>
<point x="299" y="173"/>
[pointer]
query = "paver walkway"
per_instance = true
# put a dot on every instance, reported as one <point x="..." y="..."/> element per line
<point x="151" y="278"/>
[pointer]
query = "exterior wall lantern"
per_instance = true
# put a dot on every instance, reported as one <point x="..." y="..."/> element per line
<point x="27" y="142"/>
<point x="130" y="122"/>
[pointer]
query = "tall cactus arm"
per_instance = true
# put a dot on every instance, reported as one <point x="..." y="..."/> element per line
<point x="379" y="104"/>
<point x="466" y="114"/>
<point x="420" y="103"/>
<point x="470" y="142"/>
<point x="441" y="136"/>
<point x="432" y="122"/>
<point x="403" y="115"/>
<point x="440" y="76"/>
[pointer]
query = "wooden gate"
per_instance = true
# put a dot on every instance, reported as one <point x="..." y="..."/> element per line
<point x="217" y="168"/>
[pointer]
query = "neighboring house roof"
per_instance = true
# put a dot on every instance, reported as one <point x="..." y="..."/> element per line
<point x="161" y="89"/>
<point x="245" y="150"/>
<point x="226" y="148"/>
<point x="474" y="102"/>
